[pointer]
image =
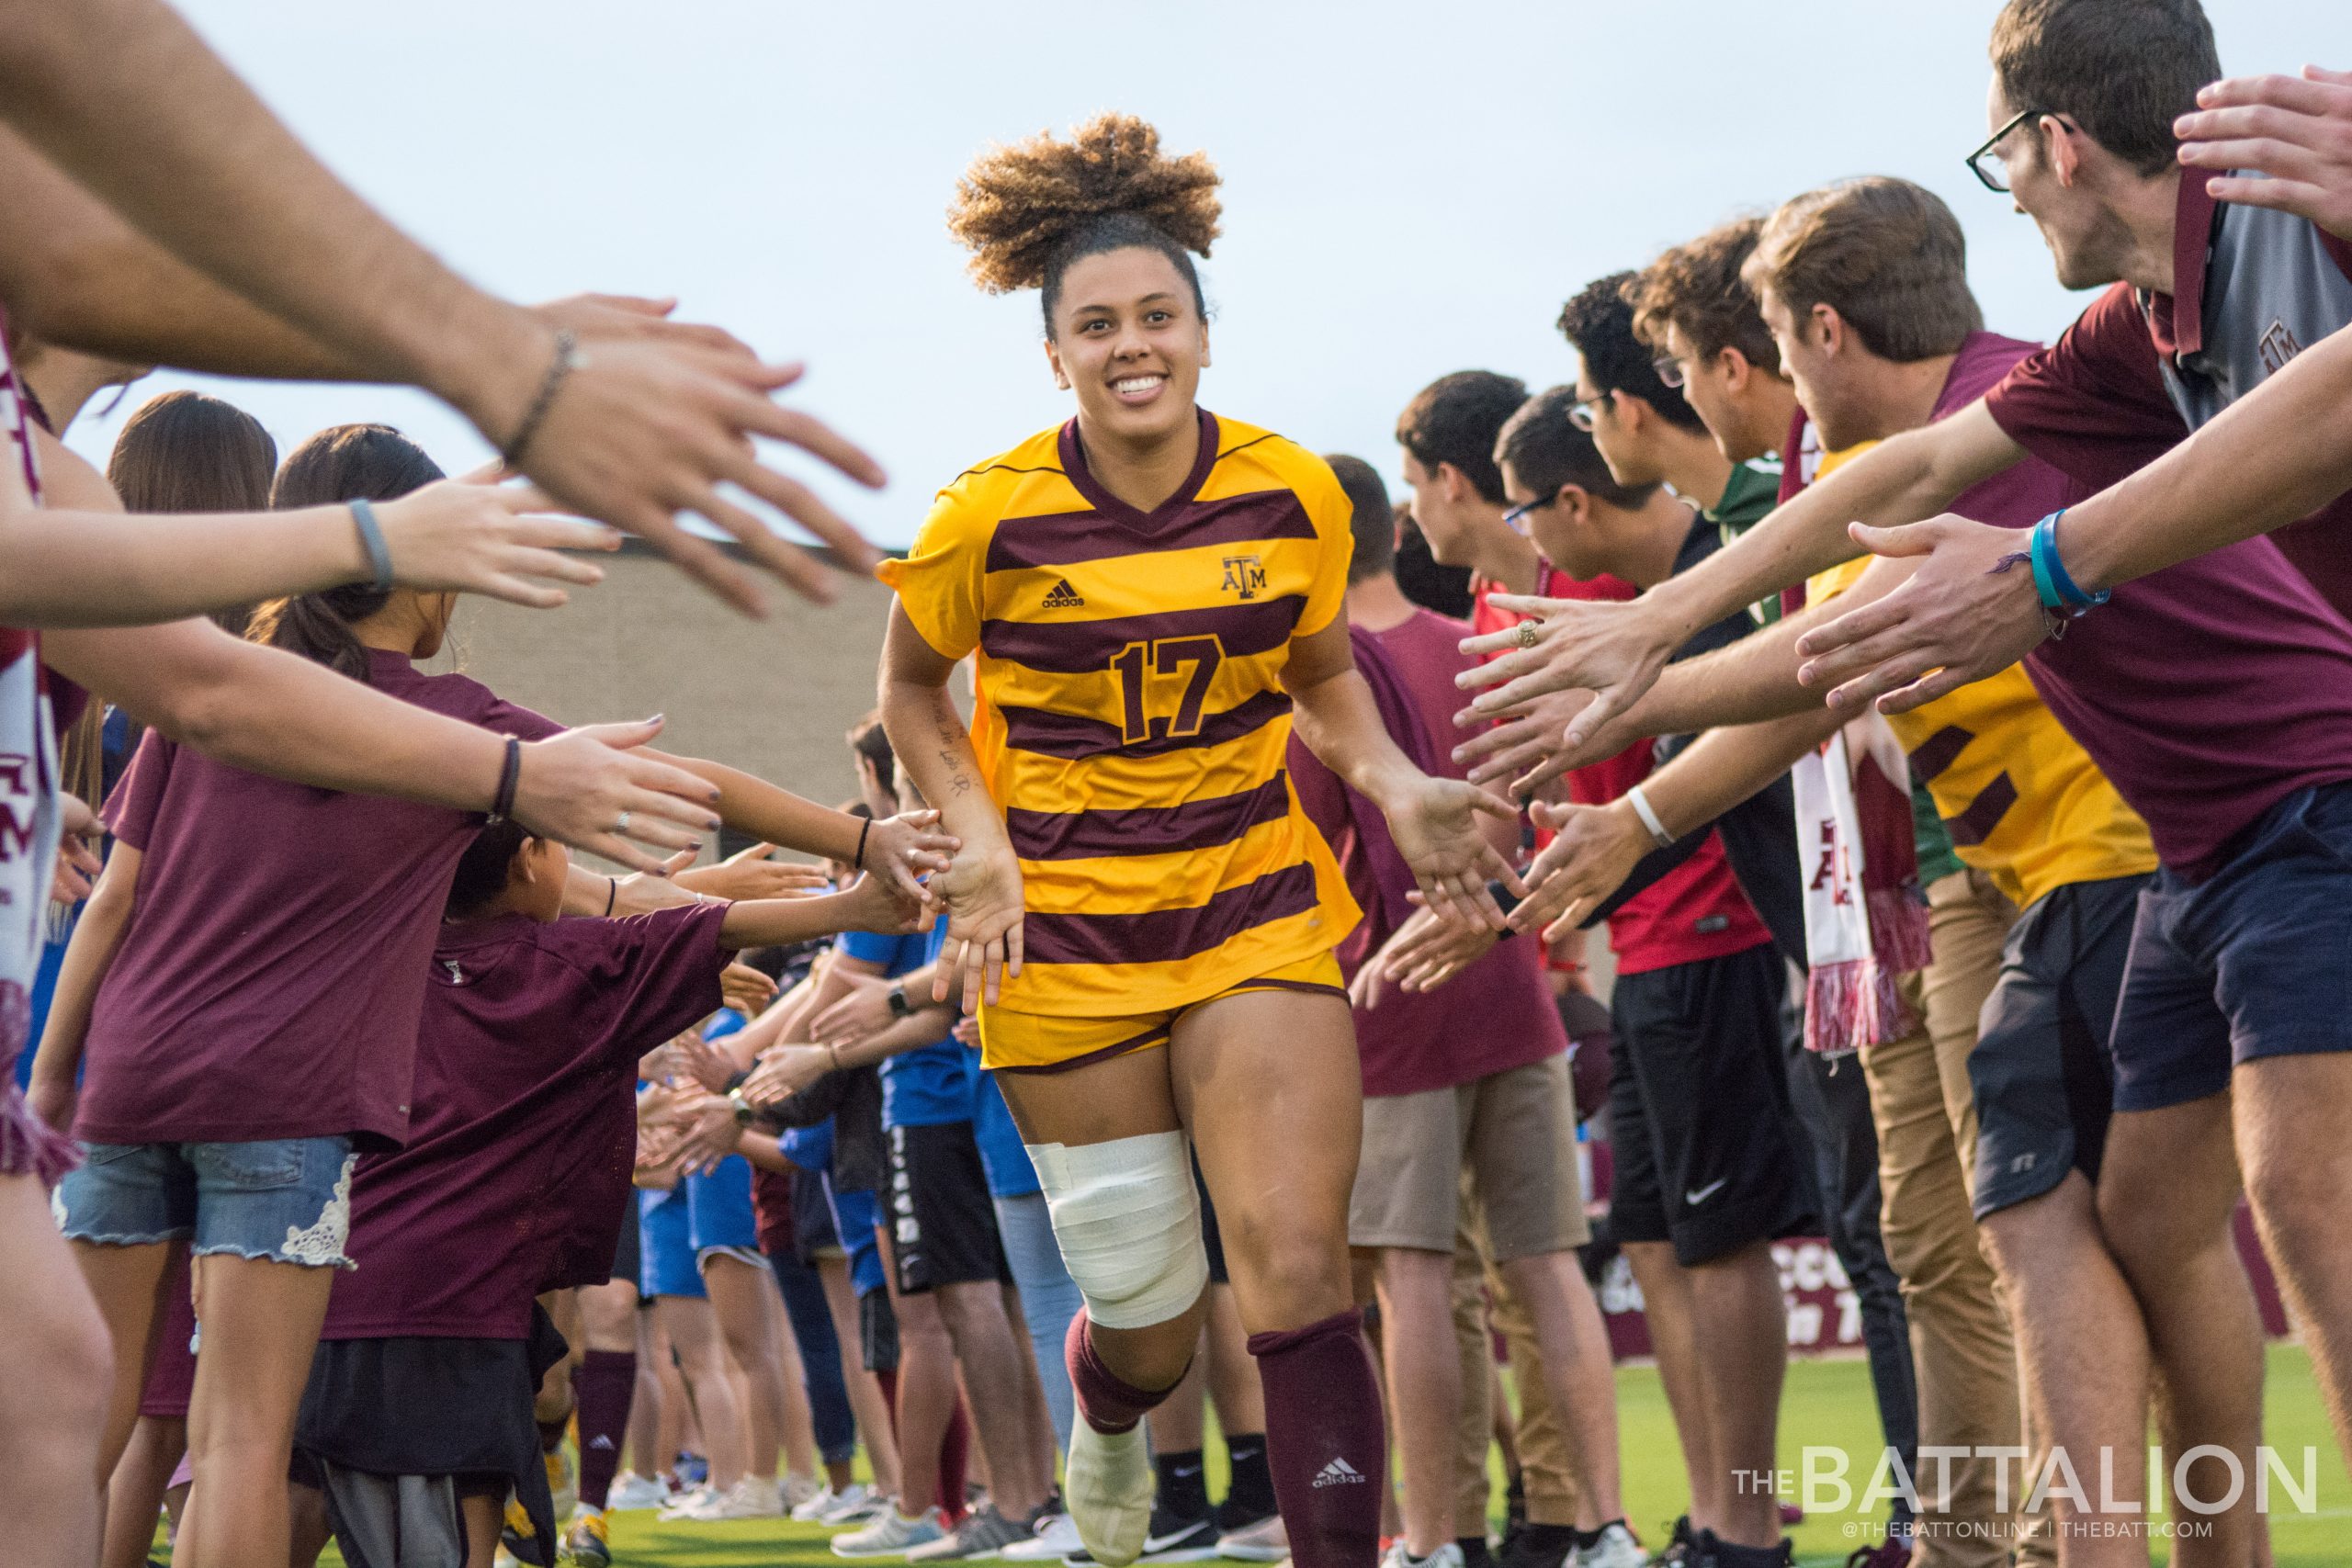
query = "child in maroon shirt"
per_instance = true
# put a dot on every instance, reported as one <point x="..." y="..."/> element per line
<point x="521" y="1140"/>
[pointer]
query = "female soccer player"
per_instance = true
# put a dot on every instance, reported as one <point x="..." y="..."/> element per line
<point x="1141" y="912"/>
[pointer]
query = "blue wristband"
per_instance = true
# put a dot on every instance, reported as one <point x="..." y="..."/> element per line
<point x="371" y="536"/>
<point x="2059" y="591"/>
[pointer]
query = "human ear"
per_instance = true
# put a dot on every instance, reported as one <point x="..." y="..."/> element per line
<point x="1054" y="358"/>
<point x="1735" y="368"/>
<point x="1832" y="328"/>
<point x="2065" y="157"/>
<point x="1205" y="345"/>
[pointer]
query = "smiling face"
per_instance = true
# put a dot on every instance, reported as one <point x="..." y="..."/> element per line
<point x="2045" y="162"/>
<point x="1128" y="338"/>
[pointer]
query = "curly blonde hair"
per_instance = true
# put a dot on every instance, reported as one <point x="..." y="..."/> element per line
<point x="1028" y="210"/>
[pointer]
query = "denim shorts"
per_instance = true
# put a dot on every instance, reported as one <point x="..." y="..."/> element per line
<point x="287" y="1200"/>
<point x="2254" y="961"/>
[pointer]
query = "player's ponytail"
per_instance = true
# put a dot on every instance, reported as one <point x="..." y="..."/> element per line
<point x="1028" y="210"/>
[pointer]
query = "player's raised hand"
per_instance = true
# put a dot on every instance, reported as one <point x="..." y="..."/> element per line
<point x="1435" y="824"/>
<point x="1593" y="850"/>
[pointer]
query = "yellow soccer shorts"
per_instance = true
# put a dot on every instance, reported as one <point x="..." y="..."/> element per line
<point x="1043" y="1043"/>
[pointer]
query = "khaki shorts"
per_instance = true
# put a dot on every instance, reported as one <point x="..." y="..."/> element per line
<point x="1512" y="1137"/>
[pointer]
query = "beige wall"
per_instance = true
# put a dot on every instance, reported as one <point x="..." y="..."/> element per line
<point x="772" y="697"/>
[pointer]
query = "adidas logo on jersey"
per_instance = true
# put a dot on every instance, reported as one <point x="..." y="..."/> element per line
<point x="1062" y="596"/>
<point x="1339" y="1472"/>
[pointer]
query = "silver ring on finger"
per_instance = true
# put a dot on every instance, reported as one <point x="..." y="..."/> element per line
<point x="621" y="827"/>
<point x="1527" y="634"/>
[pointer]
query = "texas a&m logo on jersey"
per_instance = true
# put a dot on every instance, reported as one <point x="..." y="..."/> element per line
<point x="1245" y="574"/>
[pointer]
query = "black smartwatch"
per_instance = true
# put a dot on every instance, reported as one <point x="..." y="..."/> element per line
<point x="900" y="1006"/>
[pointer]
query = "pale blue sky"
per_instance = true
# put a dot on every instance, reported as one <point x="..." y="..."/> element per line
<point x="1409" y="188"/>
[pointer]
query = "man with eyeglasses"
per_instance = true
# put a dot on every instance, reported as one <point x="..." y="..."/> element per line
<point x="2220" y="705"/>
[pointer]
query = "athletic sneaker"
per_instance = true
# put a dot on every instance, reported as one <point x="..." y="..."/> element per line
<point x="1894" y="1551"/>
<point x="825" y="1501"/>
<point x="1055" y="1540"/>
<point x="797" y="1491"/>
<point x="892" y="1534"/>
<point x="1261" y="1540"/>
<point x="682" y="1504"/>
<point x="983" y="1534"/>
<point x="633" y="1491"/>
<point x="860" y="1505"/>
<point x="1679" y="1544"/>
<point x="1446" y="1556"/>
<point x="1612" y="1547"/>
<point x="1175" y="1539"/>
<point x="1108" y="1481"/>
<point x="749" y="1498"/>
<point x="1539" y="1546"/>
<point x="589" y="1540"/>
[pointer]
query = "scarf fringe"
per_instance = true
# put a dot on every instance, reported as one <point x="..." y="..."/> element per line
<point x="1851" y="1006"/>
<point x="1899" y="932"/>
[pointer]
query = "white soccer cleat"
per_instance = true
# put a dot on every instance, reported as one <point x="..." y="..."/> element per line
<point x="1107" y="1484"/>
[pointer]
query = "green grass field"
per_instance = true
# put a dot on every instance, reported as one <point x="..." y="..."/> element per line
<point x="1827" y="1404"/>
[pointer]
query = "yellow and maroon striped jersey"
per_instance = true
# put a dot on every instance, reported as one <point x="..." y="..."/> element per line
<point x="1131" y="721"/>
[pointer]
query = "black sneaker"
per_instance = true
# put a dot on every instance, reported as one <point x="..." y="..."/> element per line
<point x="1476" y="1552"/>
<point x="1538" y="1546"/>
<point x="1174" y="1538"/>
<point x="1679" y="1544"/>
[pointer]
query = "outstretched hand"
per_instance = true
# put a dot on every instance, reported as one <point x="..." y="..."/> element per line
<point x="1969" y="611"/>
<point x="981" y="892"/>
<point x="1613" y="649"/>
<point x="1435" y="824"/>
<point x="904" y="849"/>
<point x="2295" y="132"/>
<point x="1593" y="850"/>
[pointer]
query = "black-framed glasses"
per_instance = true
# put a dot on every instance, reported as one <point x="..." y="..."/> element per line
<point x="1516" y="518"/>
<point x="1584" y="412"/>
<point x="1987" y="167"/>
<point x="1669" y="371"/>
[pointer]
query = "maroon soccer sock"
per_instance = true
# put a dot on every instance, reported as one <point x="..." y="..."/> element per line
<point x="955" y="1462"/>
<point x="605" y="1387"/>
<point x="1325" y="1440"/>
<point x="1109" y="1403"/>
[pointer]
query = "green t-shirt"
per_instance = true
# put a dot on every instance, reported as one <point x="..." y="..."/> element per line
<point x="1747" y="498"/>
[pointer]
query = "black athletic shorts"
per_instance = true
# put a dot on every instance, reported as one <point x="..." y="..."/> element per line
<point x="941" y="1220"/>
<point x="626" y="1256"/>
<point x="2043" y="1080"/>
<point x="1212" y="1239"/>
<point x="1700" y="1133"/>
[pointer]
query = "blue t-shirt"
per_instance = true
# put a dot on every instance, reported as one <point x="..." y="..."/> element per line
<point x="931" y="1085"/>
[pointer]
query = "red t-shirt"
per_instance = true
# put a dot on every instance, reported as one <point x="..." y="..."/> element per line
<point x="772" y="1207"/>
<point x="1694" y="911"/>
<point x="1497" y="1013"/>
<point x="515" y="1177"/>
<point x="272" y="970"/>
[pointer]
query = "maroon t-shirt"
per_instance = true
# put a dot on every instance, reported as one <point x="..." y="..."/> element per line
<point x="2206" y="691"/>
<point x="516" y="1170"/>
<point x="269" y="977"/>
<point x="1497" y="1013"/>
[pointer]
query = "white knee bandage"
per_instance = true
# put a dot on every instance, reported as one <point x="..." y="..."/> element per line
<point x="1128" y="1222"/>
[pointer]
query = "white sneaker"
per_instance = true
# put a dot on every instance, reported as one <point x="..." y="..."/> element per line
<point x="891" y="1534"/>
<point x="686" y="1501"/>
<point x="792" y="1489"/>
<point x="1108" y="1485"/>
<point x="749" y="1498"/>
<point x="1446" y="1556"/>
<point x="633" y="1491"/>
<point x="824" y="1500"/>
<point x="1615" y="1549"/>
<point x="860" y="1505"/>
<point x="1057" y="1537"/>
